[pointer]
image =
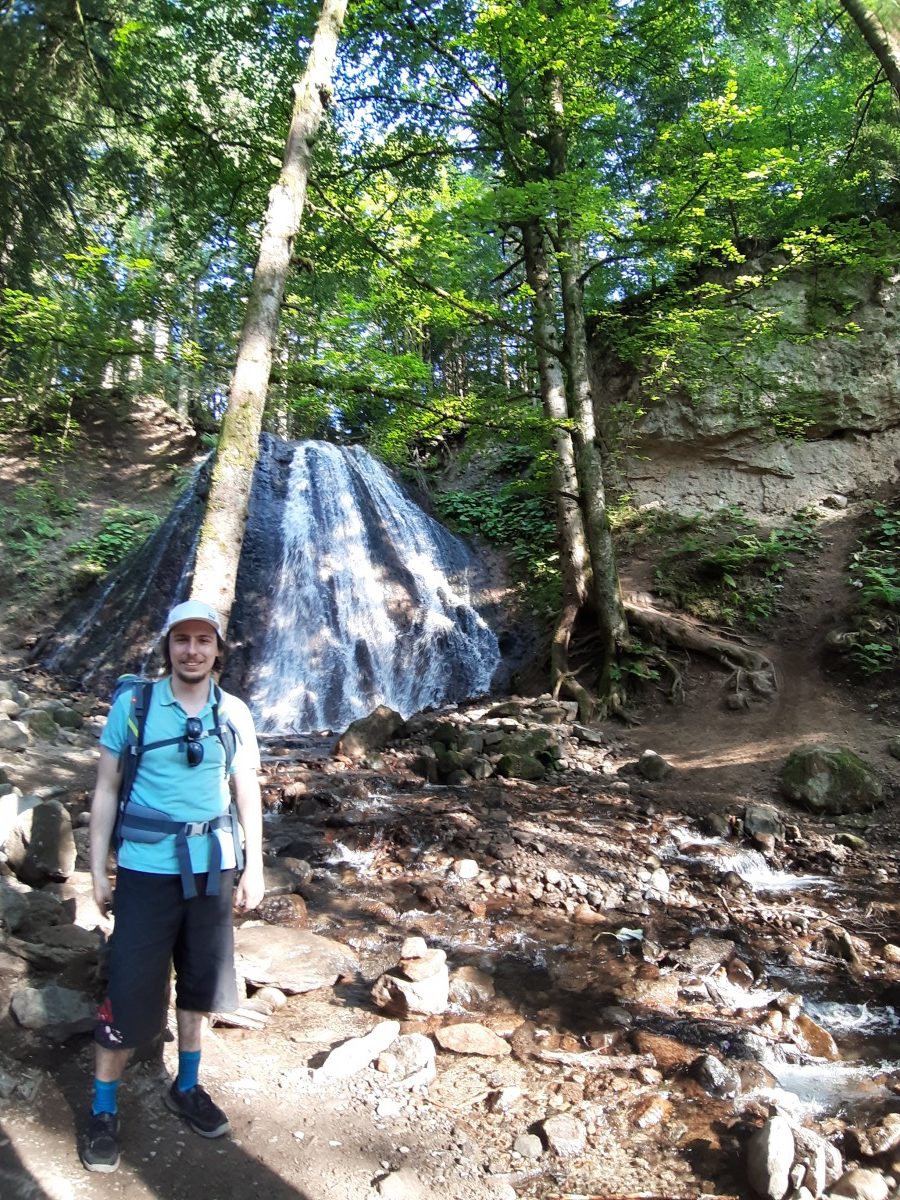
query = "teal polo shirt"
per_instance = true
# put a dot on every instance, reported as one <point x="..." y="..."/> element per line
<point x="166" y="783"/>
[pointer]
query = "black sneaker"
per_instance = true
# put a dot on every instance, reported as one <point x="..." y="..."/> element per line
<point x="99" y="1149"/>
<point x="198" y="1110"/>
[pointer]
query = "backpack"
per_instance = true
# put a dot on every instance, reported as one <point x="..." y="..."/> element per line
<point x="136" y="823"/>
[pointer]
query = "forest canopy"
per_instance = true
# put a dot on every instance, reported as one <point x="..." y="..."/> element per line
<point x="496" y="186"/>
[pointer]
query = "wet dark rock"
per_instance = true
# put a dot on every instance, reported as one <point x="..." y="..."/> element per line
<point x="715" y="825"/>
<point x="287" y="909"/>
<point x="763" y="820"/>
<point x="705" y="953"/>
<point x="831" y="779"/>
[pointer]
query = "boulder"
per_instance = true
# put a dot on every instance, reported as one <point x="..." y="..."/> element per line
<point x="763" y="820"/>
<point x="14" y="735"/>
<point x="354" y="1055"/>
<point x="831" y="779"/>
<point x="288" y="909"/>
<point x="405" y="997"/>
<point x="57" y="1012"/>
<point x="520" y="766"/>
<point x="653" y="767"/>
<point x="41" y="848"/>
<point x="369" y="733"/>
<point x="469" y="1037"/>
<point x="471" y="989"/>
<point x="770" y="1156"/>
<point x="40" y="722"/>
<point x="293" y="960"/>
<point x="861" y="1184"/>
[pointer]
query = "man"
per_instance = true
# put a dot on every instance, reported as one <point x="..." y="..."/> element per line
<point x="177" y="862"/>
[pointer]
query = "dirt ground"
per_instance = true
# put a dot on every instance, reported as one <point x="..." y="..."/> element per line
<point x="297" y="1138"/>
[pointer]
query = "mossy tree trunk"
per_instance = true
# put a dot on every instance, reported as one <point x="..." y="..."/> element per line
<point x="879" y="23"/>
<point x="222" y="533"/>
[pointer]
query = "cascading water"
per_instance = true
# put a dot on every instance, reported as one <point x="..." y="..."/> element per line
<point x="370" y="602"/>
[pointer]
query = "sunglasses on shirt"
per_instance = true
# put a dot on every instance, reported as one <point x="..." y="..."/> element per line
<point x="193" y="746"/>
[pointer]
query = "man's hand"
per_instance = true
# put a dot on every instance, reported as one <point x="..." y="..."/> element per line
<point x="250" y="890"/>
<point x="103" y="894"/>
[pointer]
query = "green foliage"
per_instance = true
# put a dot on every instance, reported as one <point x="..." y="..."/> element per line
<point x="874" y="571"/>
<point x="121" y="531"/>
<point x="515" y="517"/>
<point x="721" y="567"/>
<point x="39" y="516"/>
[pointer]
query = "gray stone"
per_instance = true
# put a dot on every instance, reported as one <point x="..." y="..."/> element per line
<point x="13" y="907"/>
<point x="13" y="808"/>
<point x="770" y="1156"/>
<point x="520" y="766"/>
<point x="528" y="1145"/>
<point x="652" y="766"/>
<point x="566" y="1135"/>
<point x="423" y="966"/>
<point x="831" y="779"/>
<point x="762" y="819"/>
<point x="57" y="1012"/>
<point x="369" y="733"/>
<point x="415" y="1060"/>
<point x="471" y="989"/>
<point x="355" y="1054"/>
<point x="45" y="849"/>
<point x="404" y="997"/>
<point x="41" y="724"/>
<point x="466" y="868"/>
<point x="704" y="954"/>
<point x="14" y="735"/>
<point x="293" y="960"/>
<point x="717" y="1079"/>
<point x="861" y="1184"/>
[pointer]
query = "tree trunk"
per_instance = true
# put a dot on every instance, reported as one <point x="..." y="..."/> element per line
<point x="879" y="23"/>
<point x="574" y="558"/>
<point x="606" y="593"/>
<point x="222" y="533"/>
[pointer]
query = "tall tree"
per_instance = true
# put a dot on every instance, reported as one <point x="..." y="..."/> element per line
<point x="879" y="23"/>
<point x="222" y="533"/>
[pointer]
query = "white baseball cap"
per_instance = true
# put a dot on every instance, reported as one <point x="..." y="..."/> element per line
<point x="193" y="610"/>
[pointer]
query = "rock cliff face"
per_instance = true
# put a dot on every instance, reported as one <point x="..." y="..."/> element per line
<point x="718" y="446"/>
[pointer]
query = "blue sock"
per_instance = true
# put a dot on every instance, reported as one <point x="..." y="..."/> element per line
<point x="188" y="1069"/>
<point x="105" y="1097"/>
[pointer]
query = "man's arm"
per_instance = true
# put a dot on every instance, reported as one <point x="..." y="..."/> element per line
<point x="104" y="809"/>
<point x="251" y="888"/>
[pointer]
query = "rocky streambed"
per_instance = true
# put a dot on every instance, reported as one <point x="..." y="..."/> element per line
<point x="477" y="984"/>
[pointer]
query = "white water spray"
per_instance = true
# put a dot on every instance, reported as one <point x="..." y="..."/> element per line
<point x="371" y="603"/>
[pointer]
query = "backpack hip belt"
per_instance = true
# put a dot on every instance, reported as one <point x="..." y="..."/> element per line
<point x="139" y="824"/>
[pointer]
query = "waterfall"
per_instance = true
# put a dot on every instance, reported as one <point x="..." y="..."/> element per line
<point x="370" y="602"/>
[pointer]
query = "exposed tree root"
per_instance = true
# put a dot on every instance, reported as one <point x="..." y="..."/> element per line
<point x="752" y="673"/>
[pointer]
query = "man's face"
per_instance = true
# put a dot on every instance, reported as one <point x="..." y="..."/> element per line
<point x="193" y="648"/>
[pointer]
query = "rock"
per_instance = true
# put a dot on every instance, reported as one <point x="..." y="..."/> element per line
<point x="41" y="848"/>
<point x="288" y="909"/>
<point x="426" y="764"/>
<point x="520" y="766"/>
<point x="831" y="779"/>
<point x="861" y="1184"/>
<point x="403" y="1185"/>
<point x="822" y="1161"/>
<point x="14" y="735"/>
<point x="369" y="733"/>
<point x="590" y="737"/>
<point x="881" y="1138"/>
<point x="272" y="998"/>
<point x="770" y="1156"/>
<point x="528" y="1145"/>
<point x="891" y="953"/>
<point x="813" y="1039"/>
<point x="41" y="724"/>
<point x="658" y="884"/>
<point x="763" y="820"/>
<point x="704" y="954"/>
<point x="835" y="500"/>
<point x="653" y="767"/>
<point x="566" y="1136"/>
<point x="894" y="747"/>
<point x="13" y="808"/>
<point x="471" y="989"/>
<point x="714" y="1077"/>
<point x="415" y="1060"/>
<point x="466" y="868"/>
<point x="293" y="960"/>
<point x="57" y="1012"/>
<point x="505" y="1099"/>
<point x="424" y="966"/>
<point x="13" y="907"/>
<point x="472" y="1038"/>
<point x="355" y="1055"/>
<point x="404" y="997"/>
<point x="670" y="1054"/>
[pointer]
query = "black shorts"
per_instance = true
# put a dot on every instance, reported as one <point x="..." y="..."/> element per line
<point x="157" y="928"/>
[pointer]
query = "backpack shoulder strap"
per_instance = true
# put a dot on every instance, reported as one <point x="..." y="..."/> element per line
<point x="224" y="730"/>
<point x="139" y="706"/>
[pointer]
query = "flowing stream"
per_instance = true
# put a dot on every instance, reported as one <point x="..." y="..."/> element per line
<point x="371" y="602"/>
